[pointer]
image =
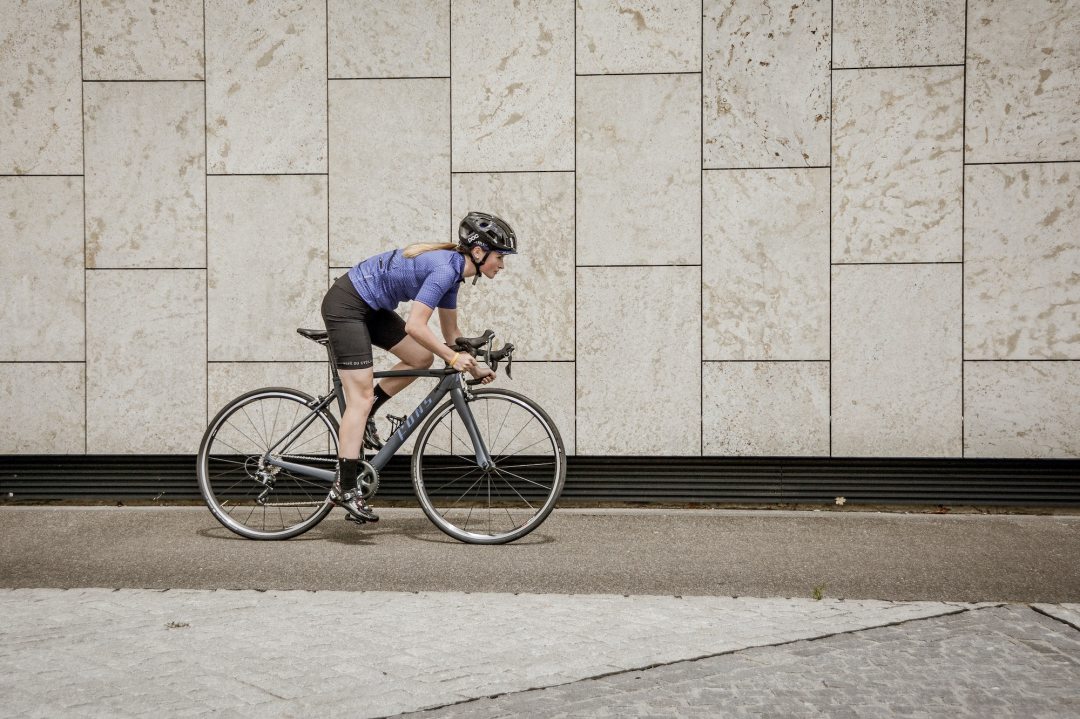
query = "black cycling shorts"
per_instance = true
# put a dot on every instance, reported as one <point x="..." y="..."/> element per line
<point x="353" y="326"/>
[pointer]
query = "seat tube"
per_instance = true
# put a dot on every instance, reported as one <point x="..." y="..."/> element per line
<point x="483" y="459"/>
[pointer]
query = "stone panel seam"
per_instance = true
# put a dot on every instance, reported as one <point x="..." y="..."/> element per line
<point x="401" y="77"/>
<point x="963" y="224"/>
<point x="43" y="362"/>
<point x="691" y="660"/>
<point x="769" y="167"/>
<point x="1022" y="162"/>
<point x="1029" y="359"/>
<point x="900" y="67"/>
<point x="206" y="207"/>
<point x="149" y="80"/>
<point x="514" y="172"/>
<point x="720" y="361"/>
<point x="1066" y="622"/>
<point x="86" y="350"/>
<point x="832" y="111"/>
<point x="266" y="362"/>
<point x="576" y="446"/>
<point x="628" y="74"/>
<point x="329" y="368"/>
<point x="635" y="266"/>
<point x="267" y="174"/>
<point x="906" y="262"/>
<point x="138" y="269"/>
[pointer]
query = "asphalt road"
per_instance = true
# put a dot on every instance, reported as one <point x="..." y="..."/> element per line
<point x="855" y="555"/>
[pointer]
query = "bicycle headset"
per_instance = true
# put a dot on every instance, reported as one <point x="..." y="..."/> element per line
<point x="488" y="231"/>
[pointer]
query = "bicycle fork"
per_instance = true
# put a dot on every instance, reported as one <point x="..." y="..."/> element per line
<point x="483" y="459"/>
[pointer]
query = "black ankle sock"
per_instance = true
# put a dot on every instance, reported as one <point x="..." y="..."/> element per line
<point x="380" y="398"/>
<point x="349" y="469"/>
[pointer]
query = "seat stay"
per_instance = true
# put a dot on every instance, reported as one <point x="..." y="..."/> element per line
<point x="297" y="429"/>
<point x="323" y="475"/>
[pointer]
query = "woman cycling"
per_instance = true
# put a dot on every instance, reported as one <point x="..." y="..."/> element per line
<point x="358" y="311"/>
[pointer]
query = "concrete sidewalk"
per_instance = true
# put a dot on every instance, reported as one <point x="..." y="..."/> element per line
<point x="118" y="653"/>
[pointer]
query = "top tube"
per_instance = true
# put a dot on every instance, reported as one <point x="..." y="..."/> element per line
<point x="416" y="372"/>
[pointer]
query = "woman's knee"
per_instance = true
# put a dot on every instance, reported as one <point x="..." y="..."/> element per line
<point x="423" y="360"/>
<point x="358" y="384"/>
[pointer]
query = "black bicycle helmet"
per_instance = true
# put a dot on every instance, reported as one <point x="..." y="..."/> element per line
<point x="490" y="232"/>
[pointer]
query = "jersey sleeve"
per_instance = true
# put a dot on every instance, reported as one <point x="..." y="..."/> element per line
<point x="440" y="288"/>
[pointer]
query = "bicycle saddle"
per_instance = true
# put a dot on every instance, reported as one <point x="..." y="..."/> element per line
<point x="313" y="335"/>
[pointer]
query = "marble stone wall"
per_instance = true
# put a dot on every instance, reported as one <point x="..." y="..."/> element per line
<point x="844" y="228"/>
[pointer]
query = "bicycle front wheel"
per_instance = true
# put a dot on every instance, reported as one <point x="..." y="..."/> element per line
<point x="510" y="499"/>
<point x="255" y="499"/>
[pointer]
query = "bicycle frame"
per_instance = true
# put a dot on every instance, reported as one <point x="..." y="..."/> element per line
<point x="451" y="384"/>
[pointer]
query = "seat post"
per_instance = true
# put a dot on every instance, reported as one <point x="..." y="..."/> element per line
<point x="338" y="390"/>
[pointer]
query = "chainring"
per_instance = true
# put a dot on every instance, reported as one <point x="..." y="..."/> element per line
<point x="367" y="480"/>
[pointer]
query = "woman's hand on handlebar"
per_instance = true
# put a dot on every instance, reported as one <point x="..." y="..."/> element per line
<point x="486" y="375"/>
<point x="465" y="362"/>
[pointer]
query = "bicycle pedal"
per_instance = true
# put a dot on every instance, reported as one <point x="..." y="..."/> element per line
<point x="395" y="422"/>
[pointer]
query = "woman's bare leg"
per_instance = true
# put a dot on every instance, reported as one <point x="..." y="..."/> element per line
<point x="359" y="394"/>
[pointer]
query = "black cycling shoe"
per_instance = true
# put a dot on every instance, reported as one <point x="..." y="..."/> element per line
<point x="359" y="510"/>
<point x="371" y="436"/>
<point x="352" y="502"/>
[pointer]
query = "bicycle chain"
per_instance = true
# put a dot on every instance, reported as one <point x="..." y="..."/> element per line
<point x="304" y="456"/>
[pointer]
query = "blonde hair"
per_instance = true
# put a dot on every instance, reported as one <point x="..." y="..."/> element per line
<point x="420" y="248"/>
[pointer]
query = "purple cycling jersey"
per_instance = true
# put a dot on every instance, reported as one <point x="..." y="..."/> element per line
<point x="389" y="278"/>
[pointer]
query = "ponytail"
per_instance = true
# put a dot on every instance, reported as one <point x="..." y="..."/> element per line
<point x="420" y="248"/>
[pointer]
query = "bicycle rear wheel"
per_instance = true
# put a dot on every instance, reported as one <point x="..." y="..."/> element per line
<point x="505" y="502"/>
<point x="255" y="499"/>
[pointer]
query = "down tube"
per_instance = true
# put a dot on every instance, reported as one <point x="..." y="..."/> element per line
<point x="414" y="420"/>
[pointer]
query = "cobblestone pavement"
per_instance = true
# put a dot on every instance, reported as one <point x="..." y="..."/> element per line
<point x="127" y="652"/>
<point x="992" y="662"/>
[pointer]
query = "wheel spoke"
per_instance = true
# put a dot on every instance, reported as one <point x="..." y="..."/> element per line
<point x="514" y="490"/>
<point x="524" y="479"/>
<point x="243" y="434"/>
<point x="273" y="427"/>
<point x="220" y="458"/>
<point x="244" y="410"/>
<point x="509" y="406"/>
<point x="469" y="489"/>
<point x="542" y="439"/>
<point x="535" y="464"/>
<point x="506" y="509"/>
<point x="444" y="486"/>
<point x="527" y="423"/>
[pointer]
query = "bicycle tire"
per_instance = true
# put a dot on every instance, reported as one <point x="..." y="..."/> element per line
<point x="512" y="489"/>
<point x="228" y="480"/>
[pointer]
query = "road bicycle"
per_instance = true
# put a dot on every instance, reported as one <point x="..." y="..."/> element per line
<point x="487" y="467"/>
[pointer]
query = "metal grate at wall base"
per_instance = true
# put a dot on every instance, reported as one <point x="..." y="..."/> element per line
<point x="684" y="480"/>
